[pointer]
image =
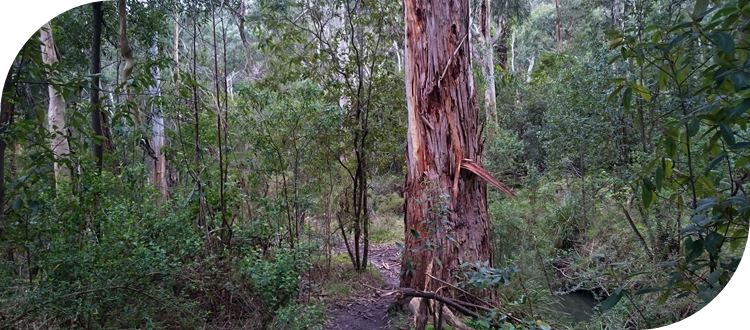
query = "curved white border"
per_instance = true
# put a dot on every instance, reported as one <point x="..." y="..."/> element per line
<point x="20" y="19"/>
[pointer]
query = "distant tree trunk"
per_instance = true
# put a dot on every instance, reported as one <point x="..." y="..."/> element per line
<point x="488" y="62"/>
<point x="513" y="52"/>
<point x="158" y="166"/>
<point x="530" y="70"/>
<point x="226" y="228"/>
<point x="201" y="219"/>
<point x="6" y="117"/>
<point x="176" y="50"/>
<point x="96" y="112"/>
<point x="239" y="16"/>
<point x="56" y="110"/>
<point x="446" y="220"/>
<point x="125" y="50"/>
<point x="500" y="42"/>
<point x="558" y="26"/>
<point x="127" y="55"/>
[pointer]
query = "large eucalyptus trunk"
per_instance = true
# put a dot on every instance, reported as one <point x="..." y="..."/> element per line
<point x="446" y="221"/>
<point x="56" y="110"/>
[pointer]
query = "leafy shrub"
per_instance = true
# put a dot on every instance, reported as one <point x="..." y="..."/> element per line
<point x="277" y="279"/>
<point x="298" y="317"/>
<point x="107" y="261"/>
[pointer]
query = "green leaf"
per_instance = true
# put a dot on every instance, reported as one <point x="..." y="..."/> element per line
<point x="742" y="161"/>
<point x="713" y="278"/>
<point x="615" y="42"/>
<point x="627" y="98"/>
<point x="700" y="8"/>
<point x="647" y="193"/>
<point x="642" y="91"/>
<point x="693" y="127"/>
<point x="611" y="301"/>
<point x="713" y="242"/>
<point x="693" y="248"/>
<point x="727" y="135"/>
<point x="705" y="204"/>
<point x="670" y="141"/>
<point x="659" y="177"/>
<point x="714" y="162"/>
<point x="724" y="41"/>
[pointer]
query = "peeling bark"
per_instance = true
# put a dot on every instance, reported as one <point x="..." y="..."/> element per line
<point x="446" y="220"/>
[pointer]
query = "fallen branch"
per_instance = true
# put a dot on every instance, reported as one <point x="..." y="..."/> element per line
<point x="462" y="291"/>
<point x="457" y="305"/>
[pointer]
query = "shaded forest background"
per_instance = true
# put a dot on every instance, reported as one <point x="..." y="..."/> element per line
<point x="230" y="164"/>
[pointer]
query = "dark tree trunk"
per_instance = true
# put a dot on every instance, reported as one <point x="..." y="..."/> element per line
<point x="558" y="26"/>
<point x="446" y="221"/>
<point x="96" y="111"/>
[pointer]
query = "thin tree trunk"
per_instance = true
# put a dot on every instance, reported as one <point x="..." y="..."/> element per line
<point x="56" y="110"/>
<point x="239" y="15"/>
<point x="558" y="27"/>
<point x="488" y="62"/>
<point x="225" y="128"/>
<point x="513" y="52"/>
<point x="219" y="130"/>
<point x="176" y="49"/>
<point x="196" y="121"/>
<point x="159" y="161"/>
<point x="96" y="112"/>
<point x="126" y="52"/>
<point x="446" y="210"/>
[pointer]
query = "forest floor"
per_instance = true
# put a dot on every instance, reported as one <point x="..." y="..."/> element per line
<point x="367" y="305"/>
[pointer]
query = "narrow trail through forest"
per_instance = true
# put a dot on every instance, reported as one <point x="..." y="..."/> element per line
<point x="367" y="308"/>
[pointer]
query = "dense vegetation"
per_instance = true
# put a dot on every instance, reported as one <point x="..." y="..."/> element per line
<point x="231" y="164"/>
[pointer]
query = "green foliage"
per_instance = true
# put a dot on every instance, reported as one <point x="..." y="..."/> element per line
<point x="698" y="159"/>
<point x="299" y="317"/>
<point x="277" y="279"/>
<point x="112" y="265"/>
<point x="627" y="146"/>
<point x="481" y="276"/>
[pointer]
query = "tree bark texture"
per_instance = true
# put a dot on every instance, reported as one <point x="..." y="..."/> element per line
<point x="127" y="56"/>
<point x="56" y="110"/>
<point x="96" y="110"/>
<point x="446" y="221"/>
<point x="159" y="161"/>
